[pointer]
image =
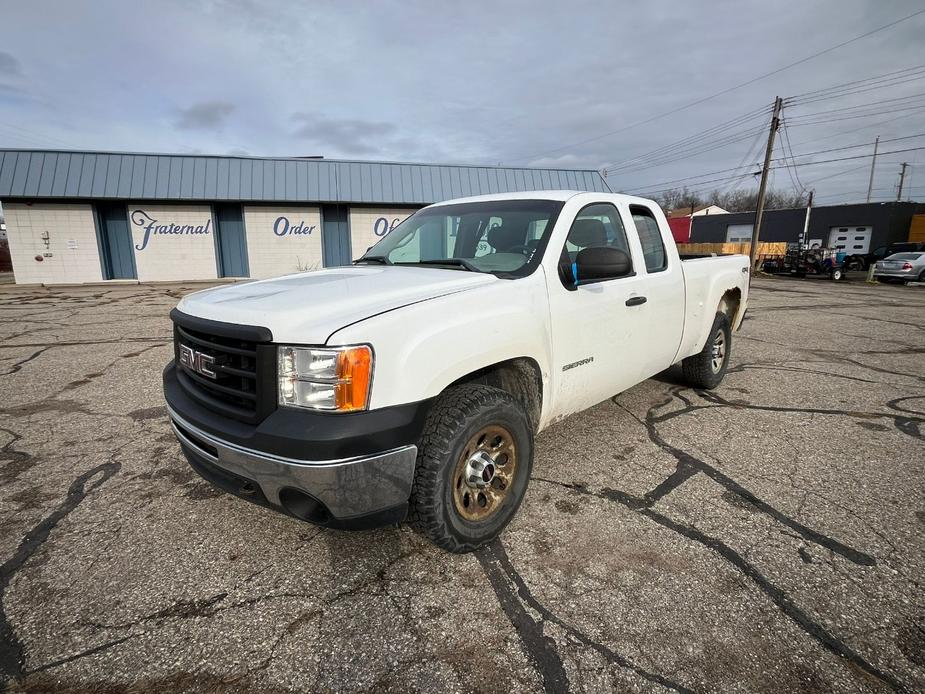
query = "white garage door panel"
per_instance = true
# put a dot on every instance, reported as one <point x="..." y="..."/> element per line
<point x="851" y="240"/>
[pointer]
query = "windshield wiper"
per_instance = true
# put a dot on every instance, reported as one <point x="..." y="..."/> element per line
<point x="459" y="262"/>
<point x="373" y="259"/>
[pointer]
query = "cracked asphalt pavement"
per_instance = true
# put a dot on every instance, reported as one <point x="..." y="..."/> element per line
<point x="766" y="536"/>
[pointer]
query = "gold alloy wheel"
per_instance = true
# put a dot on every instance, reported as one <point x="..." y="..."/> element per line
<point x="484" y="473"/>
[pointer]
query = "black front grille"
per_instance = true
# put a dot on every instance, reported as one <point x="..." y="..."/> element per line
<point x="243" y="386"/>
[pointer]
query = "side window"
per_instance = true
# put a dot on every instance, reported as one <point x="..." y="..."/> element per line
<point x="653" y="250"/>
<point x="596" y="225"/>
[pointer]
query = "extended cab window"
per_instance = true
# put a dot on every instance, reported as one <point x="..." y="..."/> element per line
<point x="596" y="225"/>
<point x="650" y="237"/>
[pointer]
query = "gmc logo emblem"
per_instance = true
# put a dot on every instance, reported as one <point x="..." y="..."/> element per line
<point x="197" y="361"/>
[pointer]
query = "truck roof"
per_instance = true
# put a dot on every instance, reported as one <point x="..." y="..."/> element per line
<point x="560" y="195"/>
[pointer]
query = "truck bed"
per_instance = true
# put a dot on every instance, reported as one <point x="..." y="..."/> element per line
<point x="705" y="280"/>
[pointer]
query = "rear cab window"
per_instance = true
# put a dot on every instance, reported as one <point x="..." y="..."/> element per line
<point x="650" y="238"/>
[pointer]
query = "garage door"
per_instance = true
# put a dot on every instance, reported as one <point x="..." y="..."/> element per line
<point x="850" y="239"/>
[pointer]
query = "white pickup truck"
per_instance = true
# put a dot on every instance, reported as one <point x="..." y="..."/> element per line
<point x="412" y="384"/>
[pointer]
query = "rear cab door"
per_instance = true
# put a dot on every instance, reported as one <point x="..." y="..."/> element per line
<point x="664" y="285"/>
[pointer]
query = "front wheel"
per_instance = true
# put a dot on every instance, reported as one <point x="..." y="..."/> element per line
<point x="473" y="466"/>
<point x="837" y="274"/>
<point x="707" y="368"/>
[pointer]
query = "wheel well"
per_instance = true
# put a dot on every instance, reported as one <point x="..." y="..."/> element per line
<point x="521" y="377"/>
<point x="730" y="304"/>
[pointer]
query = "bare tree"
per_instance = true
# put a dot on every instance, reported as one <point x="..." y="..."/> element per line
<point x="732" y="201"/>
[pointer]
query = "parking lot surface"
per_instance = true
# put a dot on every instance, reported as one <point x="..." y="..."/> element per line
<point x="766" y="536"/>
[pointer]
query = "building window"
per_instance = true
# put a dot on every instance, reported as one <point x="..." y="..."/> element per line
<point x="738" y="233"/>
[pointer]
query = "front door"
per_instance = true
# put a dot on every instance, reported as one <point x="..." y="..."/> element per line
<point x="231" y="241"/>
<point x="118" y="257"/>
<point x="599" y="329"/>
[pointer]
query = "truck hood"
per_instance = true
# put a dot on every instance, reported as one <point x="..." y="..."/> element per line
<point x="308" y="308"/>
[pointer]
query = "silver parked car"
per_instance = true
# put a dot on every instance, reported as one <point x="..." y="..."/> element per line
<point x="902" y="267"/>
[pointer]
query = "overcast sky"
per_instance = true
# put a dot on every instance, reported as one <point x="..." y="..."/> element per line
<point x="469" y="82"/>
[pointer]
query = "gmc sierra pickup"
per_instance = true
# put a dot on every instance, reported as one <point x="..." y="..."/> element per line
<point x="412" y="384"/>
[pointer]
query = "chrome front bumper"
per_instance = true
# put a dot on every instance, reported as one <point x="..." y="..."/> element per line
<point x="348" y="488"/>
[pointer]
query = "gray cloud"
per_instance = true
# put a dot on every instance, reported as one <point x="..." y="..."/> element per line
<point x="540" y="87"/>
<point x="347" y="135"/>
<point x="207" y="115"/>
<point x="9" y="66"/>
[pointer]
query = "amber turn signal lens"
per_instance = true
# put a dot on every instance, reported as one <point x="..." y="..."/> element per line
<point x="354" y="370"/>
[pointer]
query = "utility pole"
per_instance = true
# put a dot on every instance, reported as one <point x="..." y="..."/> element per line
<point x="762" y="187"/>
<point x="902" y="178"/>
<point x="809" y="208"/>
<point x="873" y="163"/>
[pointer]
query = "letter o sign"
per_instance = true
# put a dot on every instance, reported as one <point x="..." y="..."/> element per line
<point x="281" y="226"/>
<point x="381" y="227"/>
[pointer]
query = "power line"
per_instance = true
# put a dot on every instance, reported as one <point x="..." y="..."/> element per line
<point x="854" y="130"/>
<point x="810" y="163"/>
<point x="783" y="159"/>
<point x="860" y="89"/>
<point x="858" y="156"/>
<point x="686" y="154"/>
<point x="839" y="149"/>
<point x="728" y="89"/>
<point x="668" y="154"/>
<point x="798" y="186"/>
<point x="858" y="107"/>
<point x="905" y="104"/>
<point x="840" y="173"/>
<point x="824" y="121"/>
<point x="753" y="151"/>
<point x="835" y="87"/>
<point x="720" y="128"/>
<point x="649" y="190"/>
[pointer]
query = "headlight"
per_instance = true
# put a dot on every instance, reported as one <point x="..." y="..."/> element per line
<point x="333" y="379"/>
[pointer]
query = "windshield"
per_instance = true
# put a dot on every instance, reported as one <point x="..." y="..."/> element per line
<point x="503" y="237"/>
<point x="904" y="256"/>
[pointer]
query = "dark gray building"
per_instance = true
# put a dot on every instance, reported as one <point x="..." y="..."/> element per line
<point x="857" y="228"/>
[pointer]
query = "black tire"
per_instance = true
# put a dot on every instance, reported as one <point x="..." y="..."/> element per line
<point x="837" y="274"/>
<point x="457" y="416"/>
<point x="698" y="369"/>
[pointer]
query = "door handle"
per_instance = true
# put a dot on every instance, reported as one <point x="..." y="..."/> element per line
<point x="636" y="301"/>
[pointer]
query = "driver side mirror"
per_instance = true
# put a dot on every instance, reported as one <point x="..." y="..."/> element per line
<point x="601" y="263"/>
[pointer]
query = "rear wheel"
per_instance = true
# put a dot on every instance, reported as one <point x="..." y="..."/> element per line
<point x="837" y="274"/>
<point x="474" y="463"/>
<point x="707" y="368"/>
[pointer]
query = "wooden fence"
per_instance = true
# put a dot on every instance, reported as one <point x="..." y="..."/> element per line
<point x="731" y="248"/>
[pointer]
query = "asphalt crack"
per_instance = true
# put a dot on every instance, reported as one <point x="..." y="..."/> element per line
<point x="11" y="649"/>
<point x="513" y="593"/>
